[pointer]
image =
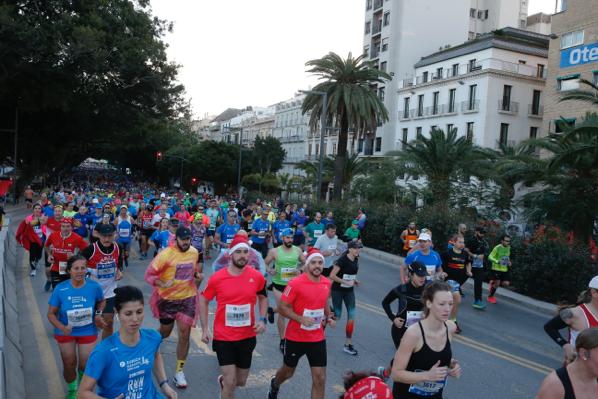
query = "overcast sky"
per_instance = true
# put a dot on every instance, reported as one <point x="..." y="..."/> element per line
<point x="236" y="53"/>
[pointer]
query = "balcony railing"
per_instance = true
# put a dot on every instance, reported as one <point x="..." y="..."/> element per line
<point x="377" y="28"/>
<point x="508" y="107"/>
<point x="403" y="116"/>
<point x="378" y="4"/>
<point x="470" y="106"/>
<point x="535" y="111"/>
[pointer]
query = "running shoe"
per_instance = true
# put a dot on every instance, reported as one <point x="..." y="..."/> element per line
<point x="273" y="391"/>
<point x="179" y="380"/>
<point x="270" y="315"/>
<point x="480" y="305"/>
<point x="492" y="300"/>
<point x="48" y="285"/>
<point x="348" y="348"/>
<point x="32" y="273"/>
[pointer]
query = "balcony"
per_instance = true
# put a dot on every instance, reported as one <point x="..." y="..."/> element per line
<point x="378" y="4"/>
<point x="375" y="53"/>
<point x="535" y="111"/>
<point x="292" y="139"/>
<point x="508" y="107"/>
<point x="377" y="28"/>
<point x="468" y="107"/>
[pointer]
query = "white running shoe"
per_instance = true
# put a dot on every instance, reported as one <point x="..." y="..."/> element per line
<point x="32" y="273"/>
<point x="179" y="380"/>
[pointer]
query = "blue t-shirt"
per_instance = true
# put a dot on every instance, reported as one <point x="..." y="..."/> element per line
<point x="278" y="226"/>
<point x="93" y="220"/>
<point x="260" y="226"/>
<point x="77" y="306"/>
<point x="84" y="219"/>
<point x="300" y="221"/>
<point x="327" y="221"/>
<point x="121" y="369"/>
<point x="432" y="260"/>
<point x="124" y="229"/>
<point x="162" y="238"/>
<point x="227" y="232"/>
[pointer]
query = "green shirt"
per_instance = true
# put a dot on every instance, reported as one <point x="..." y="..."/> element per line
<point x="314" y="230"/>
<point x="286" y="264"/>
<point x="352" y="234"/>
<point x="500" y="257"/>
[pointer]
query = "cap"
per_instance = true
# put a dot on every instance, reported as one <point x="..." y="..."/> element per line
<point x="355" y="221"/>
<point x="67" y="221"/>
<point x="313" y="253"/>
<point x="354" y="244"/>
<point x="239" y="241"/>
<point x="418" y="268"/>
<point x="593" y="283"/>
<point x="105" y="229"/>
<point x="124" y="206"/>
<point x="163" y="195"/>
<point x="424" y="237"/>
<point x="301" y="210"/>
<point x="183" y="233"/>
<point x="95" y="201"/>
<point x="286" y="232"/>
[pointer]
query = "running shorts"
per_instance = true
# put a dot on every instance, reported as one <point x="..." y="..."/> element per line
<point x="109" y="308"/>
<point x="502" y="276"/>
<point x="238" y="353"/>
<point x="82" y="340"/>
<point x="146" y="232"/>
<point x="169" y="311"/>
<point x="294" y="350"/>
<point x="279" y="287"/>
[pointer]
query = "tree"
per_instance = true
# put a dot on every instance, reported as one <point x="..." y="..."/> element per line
<point x="268" y="155"/>
<point x="379" y="186"/>
<point x="352" y="104"/>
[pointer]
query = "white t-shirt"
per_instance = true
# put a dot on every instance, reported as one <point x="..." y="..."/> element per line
<point x="157" y="218"/>
<point x="323" y="243"/>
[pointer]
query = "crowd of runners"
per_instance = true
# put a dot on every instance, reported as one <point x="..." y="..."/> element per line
<point x="271" y="263"/>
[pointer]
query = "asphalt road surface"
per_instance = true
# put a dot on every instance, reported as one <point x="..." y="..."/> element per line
<point x="503" y="351"/>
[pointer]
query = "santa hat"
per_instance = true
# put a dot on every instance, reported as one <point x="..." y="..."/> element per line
<point x="313" y="253"/>
<point x="239" y="241"/>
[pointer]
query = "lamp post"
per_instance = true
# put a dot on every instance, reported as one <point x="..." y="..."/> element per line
<point x="322" y="133"/>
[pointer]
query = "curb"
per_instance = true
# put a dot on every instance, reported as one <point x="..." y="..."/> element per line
<point x="508" y="295"/>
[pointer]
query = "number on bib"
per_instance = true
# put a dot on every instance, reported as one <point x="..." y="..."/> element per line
<point x="238" y="315"/>
<point x="350" y="279"/>
<point x="317" y="315"/>
<point x="79" y="317"/>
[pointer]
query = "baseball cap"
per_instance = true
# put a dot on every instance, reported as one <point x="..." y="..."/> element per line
<point x="105" y="229"/>
<point x="183" y="233"/>
<point x="286" y="232"/>
<point x="354" y="244"/>
<point x="67" y="221"/>
<point x="594" y="283"/>
<point x="424" y="237"/>
<point x="355" y="221"/>
<point x="418" y="268"/>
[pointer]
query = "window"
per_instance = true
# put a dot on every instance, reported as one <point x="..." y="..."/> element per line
<point x="359" y="146"/>
<point x="469" y="131"/>
<point x="472" y="94"/>
<point x="366" y="51"/>
<point x="425" y="77"/>
<point x="449" y="127"/>
<point x="317" y="149"/>
<point x="435" y="102"/>
<point x="405" y="137"/>
<point x="433" y="127"/>
<point x="540" y="71"/>
<point x="536" y="102"/>
<point x="378" y="144"/>
<point x="386" y="18"/>
<point x="383" y="66"/>
<point x="455" y="70"/>
<point x="309" y="150"/>
<point x="385" y="44"/>
<point x="506" y="98"/>
<point x="368" y="5"/>
<point x="572" y="39"/>
<point x="561" y="124"/>
<point x="471" y="35"/>
<point x="595" y="77"/>
<point x="368" y="27"/>
<point x="418" y="132"/>
<point x="522" y="62"/>
<point x="568" y="83"/>
<point x="486" y="14"/>
<point x="472" y="66"/>
<point x="439" y="73"/>
<point x="472" y="12"/>
<point x="522" y="23"/>
<point x="533" y="132"/>
<point x="420" y="105"/>
<point x="406" y="107"/>
<point x="504" y="134"/>
<point x="452" y="96"/>
<point x="381" y="93"/>
<point x="480" y="14"/>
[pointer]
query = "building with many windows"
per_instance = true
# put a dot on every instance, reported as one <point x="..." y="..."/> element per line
<point x="291" y="128"/>
<point x="397" y="33"/>
<point x="573" y="56"/>
<point x="490" y="89"/>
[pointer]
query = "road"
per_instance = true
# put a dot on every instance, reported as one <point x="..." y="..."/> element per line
<point x="504" y="351"/>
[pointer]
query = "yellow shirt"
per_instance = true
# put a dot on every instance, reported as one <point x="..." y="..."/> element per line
<point x="173" y="265"/>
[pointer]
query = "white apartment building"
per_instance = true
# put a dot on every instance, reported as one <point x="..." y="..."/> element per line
<point x="245" y="124"/>
<point x="397" y="33"/>
<point x="291" y="128"/>
<point x="490" y="89"/>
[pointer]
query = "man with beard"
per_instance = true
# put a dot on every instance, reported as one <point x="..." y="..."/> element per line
<point x="287" y="260"/>
<point x="175" y="275"/>
<point x="235" y="289"/>
<point x="305" y="303"/>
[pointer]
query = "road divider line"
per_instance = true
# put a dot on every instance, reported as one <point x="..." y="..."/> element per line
<point x="540" y="368"/>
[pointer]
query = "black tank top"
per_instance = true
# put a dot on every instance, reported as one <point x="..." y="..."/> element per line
<point x="423" y="360"/>
<point x="566" y="381"/>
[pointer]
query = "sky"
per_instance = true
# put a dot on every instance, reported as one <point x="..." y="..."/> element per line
<point x="236" y="53"/>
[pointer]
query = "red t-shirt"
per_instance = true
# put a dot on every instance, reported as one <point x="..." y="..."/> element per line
<point x="63" y="248"/>
<point x="146" y="220"/>
<point x="236" y="298"/>
<point x="53" y="224"/>
<point x="369" y="387"/>
<point x="308" y="298"/>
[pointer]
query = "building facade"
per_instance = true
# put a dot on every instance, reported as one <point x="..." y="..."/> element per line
<point x="291" y="128"/>
<point x="539" y="23"/>
<point x="397" y="33"/>
<point x="490" y="89"/>
<point x="573" y="55"/>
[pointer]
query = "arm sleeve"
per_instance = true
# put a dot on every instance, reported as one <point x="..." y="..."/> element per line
<point x="96" y="364"/>
<point x="209" y="292"/>
<point x="409" y="259"/>
<point x="552" y="328"/>
<point x="388" y="299"/>
<point x="153" y="271"/>
<point x="54" y="299"/>
<point x="492" y="256"/>
<point x="289" y="293"/>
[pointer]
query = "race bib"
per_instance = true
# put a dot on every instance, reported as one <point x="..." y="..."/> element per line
<point x="413" y="318"/>
<point x="106" y="270"/>
<point x="184" y="271"/>
<point x="350" y="279"/>
<point x="431" y="271"/>
<point x="229" y="240"/>
<point x="79" y="317"/>
<point x="504" y="261"/>
<point x="426" y="388"/>
<point x="411" y="243"/>
<point x="317" y="233"/>
<point x="287" y="273"/>
<point x="317" y="315"/>
<point x="124" y="233"/>
<point x="146" y="224"/>
<point x="238" y="315"/>
<point x="61" y="267"/>
<point x="477" y="262"/>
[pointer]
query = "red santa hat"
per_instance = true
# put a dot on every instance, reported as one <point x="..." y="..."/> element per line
<point x="313" y="253"/>
<point x="239" y="241"/>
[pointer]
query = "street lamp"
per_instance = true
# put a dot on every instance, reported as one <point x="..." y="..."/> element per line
<point x="322" y="133"/>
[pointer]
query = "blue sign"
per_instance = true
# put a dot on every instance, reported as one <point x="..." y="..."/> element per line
<point x="579" y="55"/>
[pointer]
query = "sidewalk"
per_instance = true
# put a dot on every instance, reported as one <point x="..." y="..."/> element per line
<point x="506" y="294"/>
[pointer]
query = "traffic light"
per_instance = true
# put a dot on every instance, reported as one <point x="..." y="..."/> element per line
<point x="158" y="156"/>
<point x="193" y="180"/>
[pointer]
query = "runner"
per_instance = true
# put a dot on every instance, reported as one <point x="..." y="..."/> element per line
<point x="144" y="222"/>
<point x="124" y="231"/>
<point x="424" y="358"/>
<point x="427" y="256"/>
<point x="457" y="266"/>
<point x="31" y="234"/>
<point x="235" y="289"/>
<point x="260" y="232"/>
<point x="165" y="235"/>
<point x="74" y="309"/>
<point x="329" y="219"/>
<point x="281" y="224"/>
<point x="121" y="365"/>
<point x="247" y="219"/>
<point x="577" y="318"/>
<point x="213" y="213"/>
<point x="70" y="211"/>
<point x="288" y="260"/>
<point x="103" y="266"/>
<point x="364" y="386"/>
<point x="81" y="220"/>
<point x="501" y="262"/>
<point x="226" y="232"/>
<point x="352" y="233"/>
<point x="29" y="197"/>
<point x="409" y="238"/>
<point x="314" y="230"/>
<point x="478" y="249"/>
<point x="305" y="303"/>
<point x="344" y="277"/>
<point x="174" y="276"/>
<point x="299" y="221"/>
<point x="60" y="246"/>
<point x="198" y="234"/>
<point x="254" y="259"/>
<point x="578" y="379"/>
<point x="328" y="244"/>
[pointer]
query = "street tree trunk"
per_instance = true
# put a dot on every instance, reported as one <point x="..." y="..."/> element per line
<point x="341" y="155"/>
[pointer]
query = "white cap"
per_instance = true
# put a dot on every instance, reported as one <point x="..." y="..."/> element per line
<point x="162" y="195"/>
<point x="593" y="283"/>
<point x="95" y="201"/>
<point x="424" y="237"/>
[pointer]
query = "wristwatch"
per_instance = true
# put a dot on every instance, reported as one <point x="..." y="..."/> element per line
<point x="99" y="312"/>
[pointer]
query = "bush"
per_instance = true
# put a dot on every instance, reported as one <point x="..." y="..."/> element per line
<point x="551" y="270"/>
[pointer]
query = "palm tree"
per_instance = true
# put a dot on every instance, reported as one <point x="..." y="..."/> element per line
<point x="590" y="96"/>
<point x="352" y="104"/>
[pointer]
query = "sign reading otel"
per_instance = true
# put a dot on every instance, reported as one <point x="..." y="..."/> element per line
<point x="579" y="55"/>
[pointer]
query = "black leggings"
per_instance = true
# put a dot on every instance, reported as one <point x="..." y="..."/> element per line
<point x="35" y="254"/>
<point x="397" y="334"/>
<point x="478" y="279"/>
